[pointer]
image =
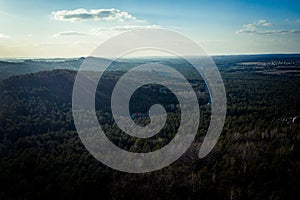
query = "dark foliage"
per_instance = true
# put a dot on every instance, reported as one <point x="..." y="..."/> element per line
<point x="257" y="156"/>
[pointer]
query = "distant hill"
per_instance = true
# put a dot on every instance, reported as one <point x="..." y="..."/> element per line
<point x="19" y="67"/>
<point x="11" y="68"/>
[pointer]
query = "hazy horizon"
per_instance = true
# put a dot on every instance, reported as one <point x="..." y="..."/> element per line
<point x="145" y="56"/>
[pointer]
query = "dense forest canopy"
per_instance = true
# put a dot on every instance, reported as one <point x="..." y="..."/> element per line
<point x="257" y="156"/>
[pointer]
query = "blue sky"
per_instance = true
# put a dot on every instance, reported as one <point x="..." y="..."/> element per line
<point x="43" y="28"/>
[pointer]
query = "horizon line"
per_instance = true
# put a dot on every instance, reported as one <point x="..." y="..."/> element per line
<point x="152" y="56"/>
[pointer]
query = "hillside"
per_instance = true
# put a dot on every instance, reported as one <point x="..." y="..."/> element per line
<point x="257" y="156"/>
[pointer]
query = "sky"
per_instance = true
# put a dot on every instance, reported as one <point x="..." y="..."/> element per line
<point x="74" y="28"/>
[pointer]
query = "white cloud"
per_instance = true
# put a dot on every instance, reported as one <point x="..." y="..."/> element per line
<point x="263" y="22"/>
<point x="267" y="32"/>
<point x="69" y="33"/>
<point x="122" y="28"/>
<point x="249" y="26"/>
<point x="267" y="24"/>
<point x="109" y="30"/>
<point x="259" y="28"/>
<point x="82" y="14"/>
<point x="294" y="31"/>
<point x="3" y="36"/>
<point x="250" y="31"/>
<point x="259" y="23"/>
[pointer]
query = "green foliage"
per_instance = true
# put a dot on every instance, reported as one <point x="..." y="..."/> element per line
<point x="257" y="156"/>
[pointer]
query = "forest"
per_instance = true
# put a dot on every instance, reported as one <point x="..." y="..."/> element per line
<point x="256" y="157"/>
